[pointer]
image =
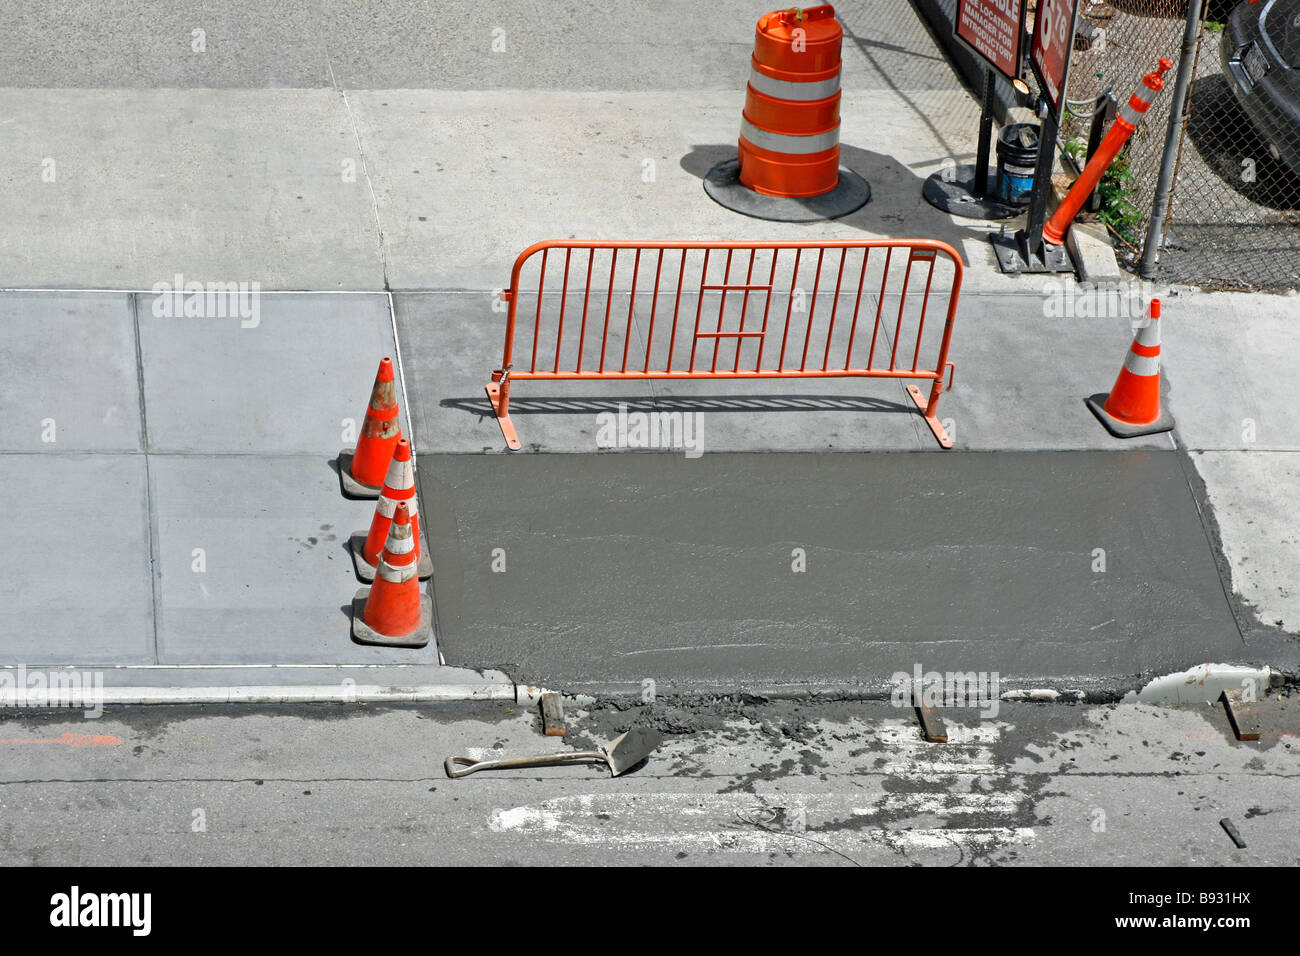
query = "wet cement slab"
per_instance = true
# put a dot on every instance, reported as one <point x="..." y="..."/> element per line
<point x="1084" y="570"/>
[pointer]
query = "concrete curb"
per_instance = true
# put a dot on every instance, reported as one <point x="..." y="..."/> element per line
<point x="88" y="687"/>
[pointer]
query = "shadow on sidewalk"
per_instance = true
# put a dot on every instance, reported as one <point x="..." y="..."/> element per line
<point x="558" y="405"/>
<point x="896" y="208"/>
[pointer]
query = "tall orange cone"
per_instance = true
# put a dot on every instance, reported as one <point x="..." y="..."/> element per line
<point x="394" y="612"/>
<point x="399" y="486"/>
<point x="362" y="470"/>
<point x="1133" y="406"/>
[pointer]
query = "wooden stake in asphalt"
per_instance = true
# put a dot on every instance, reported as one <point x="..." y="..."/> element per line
<point x="1245" y="722"/>
<point x="932" y="726"/>
<point x="552" y="706"/>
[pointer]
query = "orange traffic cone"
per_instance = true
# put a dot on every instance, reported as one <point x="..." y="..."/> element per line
<point x="399" y="486"/>
<point x="362" y="470"/>
<point x="393" y="611"/>
<point x="1133" y="406"/>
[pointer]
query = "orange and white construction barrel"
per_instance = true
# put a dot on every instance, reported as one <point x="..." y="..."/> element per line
<point x="787" y="167"/>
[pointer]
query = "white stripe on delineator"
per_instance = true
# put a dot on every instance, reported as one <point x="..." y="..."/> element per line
<point x="786" y="90"/>
<point x="783" y="143"/>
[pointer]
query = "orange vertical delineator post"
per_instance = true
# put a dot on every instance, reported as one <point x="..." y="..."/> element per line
<point x="399" y="487"/>
<point x="1130" y="115"/>
<point x="362" y="469"/>
<point x="393" y="611"/>
<point x="1133" y="406"/>
<point x="790" y="129"/>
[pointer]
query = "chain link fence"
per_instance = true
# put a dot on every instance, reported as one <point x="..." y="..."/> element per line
<point x="1233" y="220"/>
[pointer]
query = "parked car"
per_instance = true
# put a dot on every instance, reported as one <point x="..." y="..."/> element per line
<point x="1260" y="52"/>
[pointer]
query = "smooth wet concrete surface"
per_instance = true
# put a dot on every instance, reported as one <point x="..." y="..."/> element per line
<point x="626" y="567"/>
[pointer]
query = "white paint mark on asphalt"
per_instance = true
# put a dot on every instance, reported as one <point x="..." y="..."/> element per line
<point x="790" y="823"/>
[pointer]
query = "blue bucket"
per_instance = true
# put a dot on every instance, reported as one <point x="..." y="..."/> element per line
<point x="1017" y="159"/>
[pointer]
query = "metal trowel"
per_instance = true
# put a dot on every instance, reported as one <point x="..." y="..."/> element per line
<point x="622" y="754"/>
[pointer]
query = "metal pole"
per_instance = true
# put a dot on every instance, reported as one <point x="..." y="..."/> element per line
<point x="1101" y="120"/>
<point x="986" y="135"/>
<point x="1042" y="184"/>
<point x="1164" y="185"/>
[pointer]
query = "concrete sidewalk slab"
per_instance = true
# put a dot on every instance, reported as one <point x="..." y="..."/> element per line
<point x="1020" y="381"/>
<point x="70" y="380"/>
<point x="510" y="44"/>
<point x="628" y="166"/>
<point x="277" y="579"/>
<point x="451" y="342"/>
<point x="1253" y="494"/>
<point x="1022" y="377"/>
<point x="1230" y="361"/>
<point x="123" y="189"/>
<point x="283" y="386"/>
<point x="104" y="45"/>
<point x="77" y="567"/>
<point x="621" y="568"/>
<point x="414" y="189"/>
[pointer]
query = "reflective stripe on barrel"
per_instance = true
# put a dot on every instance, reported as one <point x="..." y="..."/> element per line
<point x="785" y="143"/>
<point x="792" y="90"/>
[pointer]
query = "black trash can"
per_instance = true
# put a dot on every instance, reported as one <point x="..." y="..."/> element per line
<point x="1017" y="159"/>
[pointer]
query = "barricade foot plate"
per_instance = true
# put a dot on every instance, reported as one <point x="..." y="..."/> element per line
<point x="940" y="433"/>
<point x="507" y="426"/>
<point x="1097" y="405"/>
<point x="351" y="487"/>
<point x="953" y="191"/>
<point x="366" y="571"/>
<point x="724" y="187"/>
<point x="362" y="633"/>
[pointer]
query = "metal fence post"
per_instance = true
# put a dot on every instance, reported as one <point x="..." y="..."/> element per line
<point x="1106" y="108"/>
<point x="1168" y="162"/>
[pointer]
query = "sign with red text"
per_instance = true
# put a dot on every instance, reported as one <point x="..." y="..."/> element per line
<point x="1050" y="50"/>
<point x="993" y="29"/>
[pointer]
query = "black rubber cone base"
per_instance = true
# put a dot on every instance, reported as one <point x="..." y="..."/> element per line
<point x="351" y="487"/>
<point x="1097" y="405"/>
<point x="362" y="633"/>
<point x="953" y="191"/>
<point x="724" y="187"/>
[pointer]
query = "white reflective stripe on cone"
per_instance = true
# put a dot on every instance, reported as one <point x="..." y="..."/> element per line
<point x="386" y="506"/>
<point x="787" y="90"/>
<point x="783" y="143"/>
<point x="1149" y="334"/>
<point x="396" y="575"/>
<point x="400" y="475"/>
<point x="1143" y="365"/>
<point x="400" y="545"/>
